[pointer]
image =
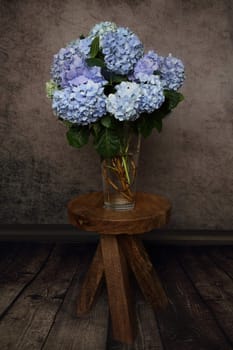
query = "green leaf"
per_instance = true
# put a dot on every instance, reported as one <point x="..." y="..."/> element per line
<point x="163" y="111"/>
<point x="112" y="77"/>
<point x="116" y="78"/>
<point x="158" y="124"/>
<point x="91" y="62"/>
<point x="147" y="122"/>
<point x="109" y="121"/>
<point x="145" y="125"/>
<point x="78" y="136"/>
<point x="95" y="45"/>
<point x="173" y="98"/>
<point x="107" y="143"/>
<point x="106" y="121"/>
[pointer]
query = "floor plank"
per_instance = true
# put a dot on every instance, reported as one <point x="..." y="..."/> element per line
<point x="39" y="291"/>
<point x="27" y="323"/>
<point x="87" y="332"/>
<point x="186" y="324"/>
<point x="18" y="269"/>
<point x="214" y="286"/>
<point x="148" y="337"/>
<point x="223" y="258"/>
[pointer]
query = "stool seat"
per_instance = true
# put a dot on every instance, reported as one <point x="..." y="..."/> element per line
<point x="87" y="212"/>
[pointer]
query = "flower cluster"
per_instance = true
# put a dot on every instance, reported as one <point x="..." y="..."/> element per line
<point x="108" y="73"/>
<point x="172" y="72"/>
<point x="152" y="96"/>
<point x="124" y="104"/>
<point x="146" y="66"/>
<point x="122" y="49"/>
<point x="62" y="60"/>
<point x="82" y="104"/>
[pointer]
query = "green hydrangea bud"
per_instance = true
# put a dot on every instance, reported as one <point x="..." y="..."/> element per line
<point x="51" y="86"/>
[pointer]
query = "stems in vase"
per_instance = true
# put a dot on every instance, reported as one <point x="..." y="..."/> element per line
<point x="119" y="173"/>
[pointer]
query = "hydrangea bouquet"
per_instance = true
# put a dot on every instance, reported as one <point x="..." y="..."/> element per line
<point x="104" y="84"/>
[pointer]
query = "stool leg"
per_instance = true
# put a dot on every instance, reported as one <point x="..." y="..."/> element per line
<point x="144" y="271"/>
<point x="119" y="295"/>
<point x="91" y="284"/>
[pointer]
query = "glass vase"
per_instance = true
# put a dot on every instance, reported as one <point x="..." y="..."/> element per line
<point x="119" y="173"/>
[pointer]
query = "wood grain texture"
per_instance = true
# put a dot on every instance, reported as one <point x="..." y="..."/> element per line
<point x="43" y="315"/>
<point x="87" y="213"/>
<point x="88" y="332"/>
<point x="27" y="323"/>
<point x="223" y="258"/>
<point x="118" y="286"/>
<point x="144" y="271"/>
<point x="91" y="284"/>
<point x="187" y="324"/>
<point x="18" y="269"/>
<point x="214" y="286"/>
<point x="148" y="336"/>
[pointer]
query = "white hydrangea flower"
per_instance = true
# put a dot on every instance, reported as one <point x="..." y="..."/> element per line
<point x="124" y="104"/>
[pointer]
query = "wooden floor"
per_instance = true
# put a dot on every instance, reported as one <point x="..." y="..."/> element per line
<point x="39" y="285"/>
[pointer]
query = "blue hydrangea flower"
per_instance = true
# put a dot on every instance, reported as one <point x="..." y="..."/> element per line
<point x="83" y="46"/>
<point x="102" y="28"/>
<point x="152" y="96"/>
<point x="122" y="49"/>
<point x="172" y="72"/>
<point x="83" y="104"/>
<point x="124" y="104"/>
<point x="146" y="66"/>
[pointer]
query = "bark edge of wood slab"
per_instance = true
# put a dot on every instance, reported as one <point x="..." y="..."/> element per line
<point x="87" y="213"/>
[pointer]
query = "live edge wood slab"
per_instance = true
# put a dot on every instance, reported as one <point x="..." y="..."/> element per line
<point x="118" y="252"/>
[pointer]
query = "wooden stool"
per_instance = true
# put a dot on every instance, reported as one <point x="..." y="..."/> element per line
<point x="118" y="249"/>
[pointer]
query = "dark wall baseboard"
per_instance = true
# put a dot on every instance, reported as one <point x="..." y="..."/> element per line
<point x="67" y="233"/>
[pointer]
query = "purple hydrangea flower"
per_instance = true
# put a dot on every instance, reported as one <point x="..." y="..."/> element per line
<point x="83" y="104"/>
<point x="62" y="60"/>
<point x="70" y="67"/>
<point x="146" y="66"/>
<point x="78" y="71"/>
<point x="122" y="49"/>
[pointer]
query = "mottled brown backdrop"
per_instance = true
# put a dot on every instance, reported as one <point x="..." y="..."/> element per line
<point x="191" y="162"/>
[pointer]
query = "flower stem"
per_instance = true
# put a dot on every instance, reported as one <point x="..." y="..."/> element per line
<point x="126" y="169"/>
